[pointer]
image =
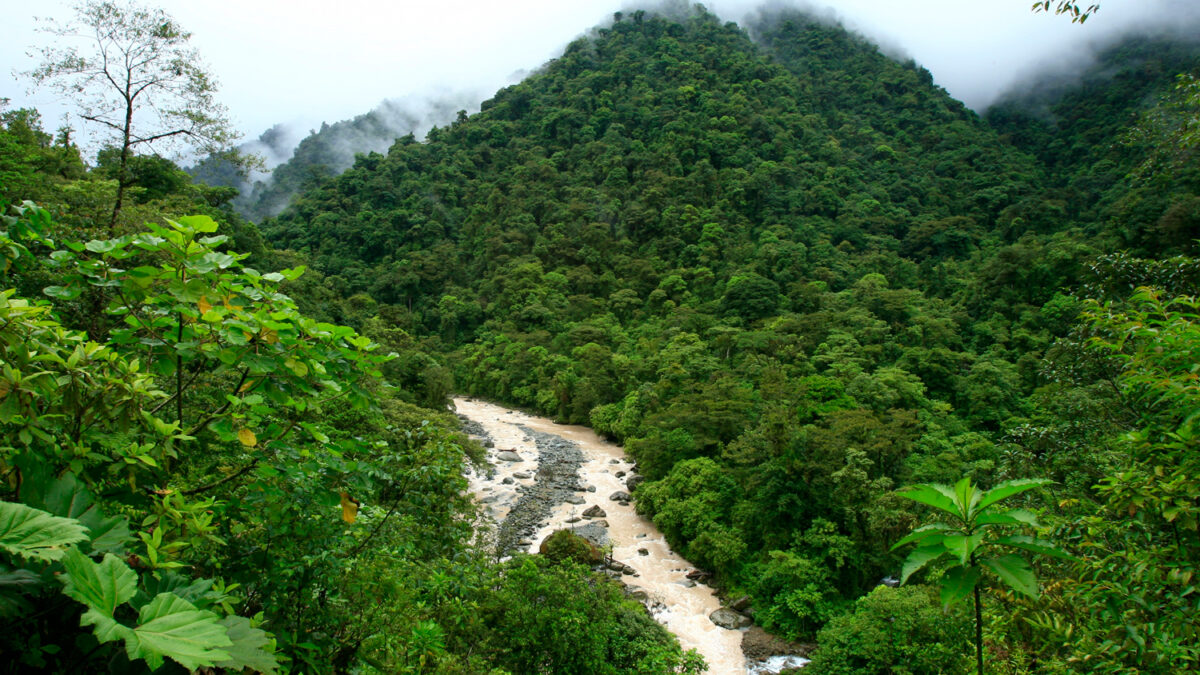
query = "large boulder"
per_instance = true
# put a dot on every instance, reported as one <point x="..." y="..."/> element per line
<point x="508" y="456"/>
<point x="620" y="496"/>
<point x="633" y="481"/>
<point x="566" y="545"/>
<point x="728" y="619"/>
<point x="595" y="512"/>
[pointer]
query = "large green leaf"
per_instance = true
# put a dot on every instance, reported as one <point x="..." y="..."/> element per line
<point x="1009" y="488"/>
<point x="1035" y="545"/>
<point x="1011" y="517"/>
<point x="966" y="496"/>
<point x="921" y="533"/>
<point x="14" y="585"/>
<point x="919" y="558"/>
<point x="962" y="545"/>
<point x="958" y="583"/>
<point x="249" y="647"/>
<point x="33" y="533"/>
<point x="1015" y="572"/>
<point x="171" y="627"/>
<point x="68" y="497"/>
<point x="101" y="587"/>
<point x="937" y="496"/>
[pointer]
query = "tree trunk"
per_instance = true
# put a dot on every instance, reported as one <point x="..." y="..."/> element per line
<point x="978" y="632"/>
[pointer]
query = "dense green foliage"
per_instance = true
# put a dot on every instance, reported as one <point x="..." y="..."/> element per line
<point x="198" y="475"/>
<point x="790" y="274"/>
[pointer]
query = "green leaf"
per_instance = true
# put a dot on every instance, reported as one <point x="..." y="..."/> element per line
<point x="1040" y="546"/>
<point x="919" y="558"/>
<point x="1015" y="572"/>
<point x="101" y="587"/>
<point x="67" y="497"/>
<point x="248" y="648"/>
<point x="958" y="583"/>
<point x="930" y="495"/>
<point x="1012" y="517"/>
<point x="33" y="533"/>
<point x="199" y="223"/>
<point x="921" y="533"/>
<point x="1009" y="488"/>
<point x="105" y="628"/>
<point x="169" y="626"/>
<point x="963" y="545"/>
<point x="966" y="496"/>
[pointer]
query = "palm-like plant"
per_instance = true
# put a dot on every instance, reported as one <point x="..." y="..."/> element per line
<point x="968" y="540"/>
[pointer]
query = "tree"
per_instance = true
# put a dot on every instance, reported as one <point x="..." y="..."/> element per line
<point x="137" y="80"/>
<point x="965" y="539"/>
<point x="1072" y="9"/>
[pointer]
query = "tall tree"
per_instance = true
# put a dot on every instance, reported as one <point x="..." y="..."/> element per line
<point x="136" y="78"/>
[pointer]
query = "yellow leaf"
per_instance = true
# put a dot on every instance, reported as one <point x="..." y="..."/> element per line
<point x="204" y="306"/>
<point x="247" y="438"/>
<point x="269" y="336"/>
<point x="349" y="508"/>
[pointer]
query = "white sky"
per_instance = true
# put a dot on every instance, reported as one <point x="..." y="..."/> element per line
<point x="307" y="61"/>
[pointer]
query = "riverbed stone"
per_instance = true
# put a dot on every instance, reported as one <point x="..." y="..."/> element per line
<point x="620" y="496"/>
<point x="595" y="512"/>
<point x="574" y="499"/>
<point x="728" y="619"/>
<point x="508" y="456"/>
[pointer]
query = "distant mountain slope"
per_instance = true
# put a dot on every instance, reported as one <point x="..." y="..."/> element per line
<point x="1077" y="126"/>
<point x="323" y="153"/>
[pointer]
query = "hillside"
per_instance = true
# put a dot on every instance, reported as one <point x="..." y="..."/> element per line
<point x="803" y="287"/>
<point x="1083" y="128"/>
<point x="756" y="264"/>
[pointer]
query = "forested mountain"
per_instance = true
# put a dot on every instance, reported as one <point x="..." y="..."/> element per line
<point x="790" y="274"/>
<point x="1089" y="129"/>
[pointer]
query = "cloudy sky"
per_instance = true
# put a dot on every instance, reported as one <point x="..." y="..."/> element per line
<point x="307" y="61"/>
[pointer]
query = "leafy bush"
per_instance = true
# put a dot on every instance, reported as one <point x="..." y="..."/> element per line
<point x="897" y="631"/>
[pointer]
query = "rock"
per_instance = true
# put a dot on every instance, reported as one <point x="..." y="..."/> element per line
<point x="638" y="594"/>
<point x="489" y="444"/>
<point x="633" y="481"/>
<point x="574" y="519"/>
<point x="620" y="474"/>
<point x="565" y="544"/>
<point x="620" y="496"/>
<point x="687" y="583"/>
<point x="488" y="499"/>
<point x="599" y="523"/>
<point x="595" y="512"/>
<point x="593" y="533"/>
<point x="741" y="604"/>
<point x="591" y="488"/>
<point x="614" y="461"/>
<point x="758" y="645"/>
<point x="573" y="499"/>
<point x="728" y="619"/>
<point x="507" y="481"/>
<point x="698" y="575"/>
<point x="508" y="456"/>
<point x="642" y="551"/>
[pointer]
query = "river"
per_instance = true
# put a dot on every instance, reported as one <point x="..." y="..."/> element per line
<point x="506" y="492"/>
